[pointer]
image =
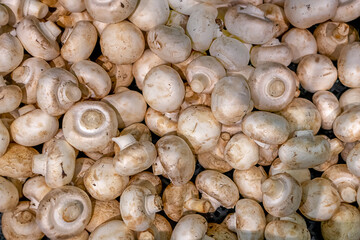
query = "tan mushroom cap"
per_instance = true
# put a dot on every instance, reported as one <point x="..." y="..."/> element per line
<point x="350" y="98"/>
<point x="35" y="189"/>
<point x="10" y="96"/>
<point x="10" y="46"/>
<point x="103" y="211"/>
<point x="112" y="229"/>
<point x="217" y="188"/>
<point x="348" y="62"/>
<point x="283" y="229"/>
<point x="220" y="232"/>
<point x="346" y="126"/>
<point x="9" y="196"/>
<point x="328" y="106"/>
<point x="159" y="123"/>
<point x="190" y="227"/>
<point x="300" y="175"/>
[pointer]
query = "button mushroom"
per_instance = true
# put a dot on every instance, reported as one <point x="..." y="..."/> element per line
<point x="349" y="98"/>
<point x="190" y="227"/>
<point x="12" y="53"/>
<point x="35" y="189"/>
<point x="328" y="106"/>
<point x="103" y="211"/>
<point x="300" y="175"/>
<point x="347" y="63"/>
<point x="161" y="123"/>
<point x="112" y="229"/>
<point x="346" y="126"/>
<point x="9" y="197"/>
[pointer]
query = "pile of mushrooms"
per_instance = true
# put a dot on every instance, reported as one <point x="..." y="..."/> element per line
<point x="179" y="119"/>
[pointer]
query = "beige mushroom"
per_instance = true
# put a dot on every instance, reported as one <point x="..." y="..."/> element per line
<point x="18" y="9"/>
<point x="300" y="175"/>
<point x="9" y="197"/>
<point x="346" y="125"/>
<point x="347" y="11"/>
<point x="190" y="227"/>
<point x="35" y="190"/>
<point x="336" y="147"/>
<point x="102" y="182"/>
<point x="329" y="107"/>
<point x="267" y="153"/>
<point x="147" y="179"/>
<point x="349" y="98"/>
<point x="220" y="232"/>
<point x="12" y="53"/>
<point x="81" y="166"/>
<point x="284" y="229"/>
<point x="276" y="14"/>
<point x="4" y="138"/>
<point x="347" y="64"/>
<point x="161" y="124"/>
<point x="103" y="211"/>
<point x="73" y="6"/>
<point x="112" y="229"/>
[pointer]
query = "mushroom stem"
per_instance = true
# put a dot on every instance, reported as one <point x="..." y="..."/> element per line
<point x="71" y="211"/>
<point x="50" y="29"/>
<point x="347" y="192"/>
<point x="153" y="204"/>
<point x="146" y="235"/>
<point x="70" y="92"/>
<point x="231" y="222"/>
<point x="199" y="82"/>
<point x="214" y="203"/>
<point x="124" y="141"/>
<point x="158" y="168"/>
<point x="35" y="8"/>
<point x="39" y="164"/>
<point x="26" y="109"/>
<point x="21" y="74"/>
<point x="341" y="32"/>
<point x="198" y="205"/>
<point x="272" y="187"/>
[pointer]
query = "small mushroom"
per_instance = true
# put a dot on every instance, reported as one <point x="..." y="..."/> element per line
<point x="346" y="126"/>
<point x="284" y="229"/>
<point x="89" y="126"/>
<point x="217" y="188"/>
<point x="163" y="89"/>
<point x="78" y="41"/>
<point x="134" y="156"/>
<point x="199" y="127"/>
<point x="272" y="86"/>
<point x="4" y="15"/>
<point x="281" y="195"/>
<point x="203" y="73"/>
<point x="302" y="114"/>
<point x="9" y="197"/>
<point x="300" y="175"/>
<point x="138" y="205"/>
<point x="249" y="23"/>
<point x="231" y="100"/>
<point x="347" y="64"/>
<point x="64" y="212"/>
<point x="148" y="179"/>
<point x="10" y="96"/>
<point x="112" y="229"/>
<point x="27" y="76"/>
<point x="316" y="72"/>
<point x="320" y="199"/>
<point x="20" y="223"/>
<point x="57" y="91"/>
<point x="182" y="66"/>
<point x="17" y="161"/>
<point x="190" y="227"/>
<point x="182" y="200"/>
<point x="248" y="221"/>
<point x="12" y="53"/>
<point x="304" y="150"/>
<point x="139" y="131"/>
<point x="268" y="153"/>
<point x="39" y="38"/>
<point x="103" y="211"/>
<point x="161" y="124"/>
<point x="306" y="13"/>
<point x="193" y="98"/>
<point x="349" y="98"/>
<point x="266" y="127"/>
<point x="328" y="106"/>
<point x="301" y="43"/>
<point x="35" y="190"/>
<point x="130" y="42"/>
<point x="110" y="11"/>
<point x="102" y="182"/>
<point x="249" y="182"/>
<point x="177" y="19"/>
<point x="175" y="160"/>
<point x="331" y="37"/>
<point x="56" y="163"/>
<point x="170" y="43"/>
<point x="345" y="182"/>
<point x="33" y="127"/>
<point x="347" y="11"/>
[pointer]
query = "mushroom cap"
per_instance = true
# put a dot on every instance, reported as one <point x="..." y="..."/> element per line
<point x="281" y="195"/>
<point x="103" y="211"/>
<point x="12" y="53"/>
<point x="176" y="159"/>
<point x="304" y="150"/>
<point x="220" y="232"/>
<point x="305" y="13"/>
<point x="199" y="127"/>
<point x="170" y="43"/>
<point x="94" y="81"/>
<point x="218" y="187"/>
<point x="266" y="127"/>
<point x="110" y="11"/>
<point x="346" y="126"/>
<point x="347" y="11"/>
<point x="343" y="224"/>
<point x="79" y="42"/>
<point x="328" y="106"/>
<point x="35" y="189"/>
<point x="102" y="182"/>
<point x="272" y="86"/>
<point x="281" y="229"/>
<point x="241" y="152"/>
<point x="163" y="89"/>
<point x="149" y="14"/>
<point x="350" y="98"/>
<point x="190" y="227"/>
<point x="4" y="138"/>
<point x="276" y="14"/>
<point x="89" y="126"/>
<point x="184" y="6"/>
<point x="81" y="166"/>
<point x="139" y="131"/>
<point x="138" y="206"/>
<point x="37" y="39"/>
<point x="302" y="114"/>
<point x="9" y="196"/>
<point x="17" y="161"/>
<point x="231" y="100"/>
<point x="73" y="6"/>
<point x="250" y="219"/>
<point x="148" y="179"/>
<point x="125" y="37"/>
<point x="20" y="223"/>
<point x="112" y="229"/>
<point x="161" y="228"/>
<point x="64" y="212"/>
<point x="274" y="51"/>
<point x="232" y="53"/>
<point x="353" y="160"/>
<point x="34" y="128"/>
<point x="249" y="182"/>
<point x="300" y="175"/>
<point x="348" y="63"/>
<point x="57" y="91"/>
<point x="249" y="23"/>
<point x="10" y="98"/>
<point x="320" y="199"/>
<point x="159" y="123"/>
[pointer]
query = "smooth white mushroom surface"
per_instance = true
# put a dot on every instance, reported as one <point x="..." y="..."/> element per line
<point x="228" y="117"/>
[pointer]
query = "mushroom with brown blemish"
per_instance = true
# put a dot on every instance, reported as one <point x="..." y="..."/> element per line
<point x="10" y="96"/>
<point x="348" y="64"/>
<point x="103" y="211"/>
<point x="276" y="14"/>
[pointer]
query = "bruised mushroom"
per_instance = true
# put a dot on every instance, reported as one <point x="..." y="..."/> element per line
<point x="276" y="14"/>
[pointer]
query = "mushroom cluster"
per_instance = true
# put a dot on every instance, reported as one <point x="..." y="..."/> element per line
<point x="179" y="119"/>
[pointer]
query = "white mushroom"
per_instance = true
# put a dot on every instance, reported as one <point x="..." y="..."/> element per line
<point x="35" y="189"/>
<point x="112" y="229"/>
<point x="348" y="62"/>
<point x="12" y="53"/>
<point x="9" y="197"/>
<point x="190" y="227"/>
